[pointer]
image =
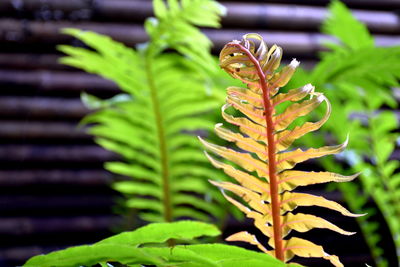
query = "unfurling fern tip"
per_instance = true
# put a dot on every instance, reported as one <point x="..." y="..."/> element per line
<point x="263" y="160"/>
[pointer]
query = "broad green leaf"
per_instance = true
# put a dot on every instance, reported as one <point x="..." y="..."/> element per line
<point x="161" y="232"/>
<point x="90" y="255"/>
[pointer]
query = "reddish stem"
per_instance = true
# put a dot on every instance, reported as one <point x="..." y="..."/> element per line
<point x="271" y="149"/>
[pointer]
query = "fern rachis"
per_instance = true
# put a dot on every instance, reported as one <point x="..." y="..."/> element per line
<point x="268" y="135"/>
<point x="162" y="145"/>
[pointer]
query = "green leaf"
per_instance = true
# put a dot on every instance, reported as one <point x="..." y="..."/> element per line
<point x="93" y="102"/>
<point x="130" y="187"/>
<point x="160" y="10"/>
<point x="189" y="124"/>
<point x="384" y="149"/>
<point x="343" y="25"/>
<point x="161" y="232"/>
<point x="90" y="255"/>
<point x="134" y="248"/>
<point x="395" y="181"/>
<point x="186" y="212"/>
<point x="188" y="155"/>
<point x="181" y="256"/>
<point x="145" y="204"/>
<point x="384" y="122"/>
<point x="192" y="184"/>
<point x="134" y="171"/>
<point x="234" y="256"/>
<point x="130" y="152"/>
<point x="207" y="206"/>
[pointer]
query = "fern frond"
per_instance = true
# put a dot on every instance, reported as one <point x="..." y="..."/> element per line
<point x="264" y="162"/>
<point x="340" y="21"/>
<point x="175" y="27"/>
<point x="356" y="61"/>
<point x="166" y="101"/>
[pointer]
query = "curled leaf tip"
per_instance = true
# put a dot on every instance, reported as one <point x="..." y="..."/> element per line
<point x="359" y="215"/>
<point x="346" y="142"/>
<point x="294" y="63"/>
<point x="308" y="88"/>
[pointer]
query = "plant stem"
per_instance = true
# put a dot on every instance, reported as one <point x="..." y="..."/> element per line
<point x="273" y="183"/>
<point x="167" y="211"/>
<point x="271" y="150"/>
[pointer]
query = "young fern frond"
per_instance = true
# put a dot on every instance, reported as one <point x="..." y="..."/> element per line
<point x="152" y="126"/>
<point x="266" y="179"/>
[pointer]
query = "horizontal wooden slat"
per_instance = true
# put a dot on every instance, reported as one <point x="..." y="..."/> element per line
<point x="26" y="130"/>
<point x="79" y="10"/>
<point x="50" y="203"/>
<point x="79" y="177"/>
<point x="55" y="80"/>
<point x="31" y="61"/>
<point x="142" y="6"/>
<point x="41" y="107"/>
<point x="49" y="32"/>
<point x="273" y="16"/>
<point x="269" y="15"/>
<point x="45" y="32"/>
<point x="364" y="4"/>
<point x="55" y="153"/>
<point x="29" y="225"/>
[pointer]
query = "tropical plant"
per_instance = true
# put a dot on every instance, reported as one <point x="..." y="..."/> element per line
<point x="145" y="246"/>
<point x="166" y="99"/>
<point x="264" y="138"/>
<point x="357" y="76"/>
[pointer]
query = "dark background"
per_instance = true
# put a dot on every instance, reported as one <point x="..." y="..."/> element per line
<point x="53" y="190"/>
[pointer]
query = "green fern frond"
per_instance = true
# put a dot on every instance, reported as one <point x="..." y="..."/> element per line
<point x="175" y="27"/>
<point x="152" y="127"/>
<point x="372" y="70"/>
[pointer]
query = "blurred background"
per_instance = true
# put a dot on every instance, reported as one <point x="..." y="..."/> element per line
<point x="54" y="191"/>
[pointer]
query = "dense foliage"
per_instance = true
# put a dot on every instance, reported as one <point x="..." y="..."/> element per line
<point x="357" y="76"/>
